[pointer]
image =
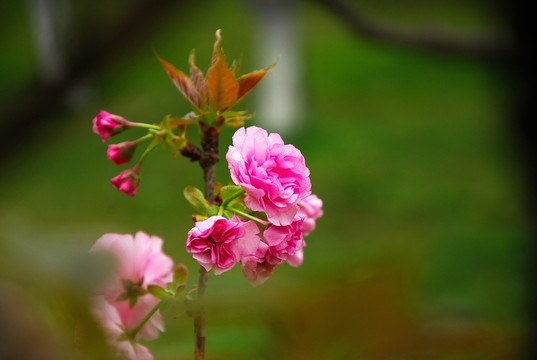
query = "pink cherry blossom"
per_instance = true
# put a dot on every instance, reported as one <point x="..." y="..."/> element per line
<point x="218" y="243"/>
<point x="284" y="242"/>
<point x="127" y="182"/>
<point x="311" y="208"/>
<point x="121" y="153"/>
<point x="273" y="174"/>
<point x="112" y="326"/>
<point x="296" y="259"/>
<point x="255" y="268"/>
<point x="106" y="125"/>
<point x="140" y="262"/>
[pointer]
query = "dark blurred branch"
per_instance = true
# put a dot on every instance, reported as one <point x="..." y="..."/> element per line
<point x="24" y="114"/>
<point x="483" y="48"/>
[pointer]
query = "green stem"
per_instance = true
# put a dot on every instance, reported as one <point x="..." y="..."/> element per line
<point x="145" y="137"/>
<point x="132" y="334"/>
<point x="248" y="216"/>
<point x="150" y="148"/>
<point x="145" y="126"/>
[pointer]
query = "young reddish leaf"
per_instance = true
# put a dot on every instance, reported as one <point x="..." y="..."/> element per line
<point x="197" y="77"/>
<point x="248" y="81"/>
<point x="183" y="83"/>
<point x="216" y="49"/>
<point x="222" y="87"/>
<point x="235" y="65"/>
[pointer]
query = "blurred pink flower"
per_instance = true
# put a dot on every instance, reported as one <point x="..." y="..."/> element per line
<point x="218" y="243"/>
<point x="106" y="125"/>
<point x="311" y="208"/>
<point x="274" y="175"/>
<point x="140" y="262"/>
<point x="121" y="153"/>
<point x="127" y="182"/>
<point x="112" y="326"/>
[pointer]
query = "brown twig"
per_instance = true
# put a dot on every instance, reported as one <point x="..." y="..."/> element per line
<point x="432" y="40"/>
<point x="208" y="160"/>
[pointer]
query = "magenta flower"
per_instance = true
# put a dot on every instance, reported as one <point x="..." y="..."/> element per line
<point x="274" y="175"/>
<point x="255" y="268"/>
<point x="127" y="182"/>
<point x="140" y="262"/>
<point x="218" y="243"/>
<point x="284" y="242"/>
<point x="121" y="153"/>
<point x="106" y="125"/>
<point x="112" y="326"/>
<point x="311" y="208"/>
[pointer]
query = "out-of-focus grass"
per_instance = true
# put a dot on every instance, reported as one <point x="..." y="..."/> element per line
<point x="420" y="253"/>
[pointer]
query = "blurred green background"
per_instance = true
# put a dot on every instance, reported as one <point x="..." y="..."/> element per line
<point x="421" y="253"/>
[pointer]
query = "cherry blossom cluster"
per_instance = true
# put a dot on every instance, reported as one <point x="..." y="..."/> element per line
<point x="124" y="302"/>
<point x="106" y="125"/>
<point x="259" y="219"/>
<point x="279" y="210"/>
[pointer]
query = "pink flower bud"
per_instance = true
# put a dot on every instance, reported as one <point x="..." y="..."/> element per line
<point x="311" y="208"/>
<point x="106" y="125"/>
<point x="121" y="153"/>
<point x="127" y="182"/>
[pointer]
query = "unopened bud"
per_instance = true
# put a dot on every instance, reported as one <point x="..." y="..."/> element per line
<point x="106" y="125"/>
<point x="127" y="182"/>
<point x="121" y="153"/>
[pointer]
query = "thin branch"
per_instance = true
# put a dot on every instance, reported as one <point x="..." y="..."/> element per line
<point x="208" y="160"/>
<point x="432" y="40"/>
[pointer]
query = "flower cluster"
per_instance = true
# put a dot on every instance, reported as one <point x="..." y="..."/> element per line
<point x="275" y="185"/>
<point x="106" y="125"/>
<point x="124" y="302"/>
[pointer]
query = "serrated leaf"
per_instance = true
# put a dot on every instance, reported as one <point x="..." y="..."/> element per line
<point x="182" y="82"/>
<point x="222" y="88"/>
<point x="195" y="197"/>
<point x="216" y="47"/>
<point x="235" y="65"/>
<point x="248" y="81"/>
<point x="196" y="75"/>
<point x="230" y="192"/>
<point x="157" y="292"/>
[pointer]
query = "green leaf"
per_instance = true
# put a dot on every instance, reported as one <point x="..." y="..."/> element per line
<point x="133" y="301"/>
<point x="157" y="292"/>
<point x="195" y="197"/>
<point x="172" y="307"/>
<point x="230" y="193"/>
<point x="213" y="210"/>
<point x="239" y="206"/>
<point x="123" y="297"/>
<point x="180" y="274"/>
